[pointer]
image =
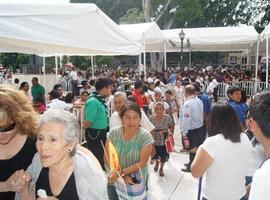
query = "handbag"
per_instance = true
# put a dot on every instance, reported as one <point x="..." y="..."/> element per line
<point x="131" y="192"/>
<point x="169" y="143"/>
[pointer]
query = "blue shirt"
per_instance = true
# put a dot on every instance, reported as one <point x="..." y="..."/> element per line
<point x="239" y="110"/>
<point x="206" y="102"/>
<point x="191" y="115"/>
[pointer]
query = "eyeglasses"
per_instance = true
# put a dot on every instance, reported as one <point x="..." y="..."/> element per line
<point x="8" y="128"/>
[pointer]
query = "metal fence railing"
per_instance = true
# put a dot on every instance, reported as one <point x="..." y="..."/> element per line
<point x="250" y="87"/>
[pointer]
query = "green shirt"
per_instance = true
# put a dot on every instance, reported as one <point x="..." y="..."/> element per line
<point x="129" y="150"/>
<point x="95" y="112"/>
<point x="37" y="91"/>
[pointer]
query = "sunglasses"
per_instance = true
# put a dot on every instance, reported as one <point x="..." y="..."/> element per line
<point x="8" y="128"/>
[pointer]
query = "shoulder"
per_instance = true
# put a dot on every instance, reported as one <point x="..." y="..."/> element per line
<point x="144" y="134"/>
<point x="113" y="132"/>
<point x="92" y="100"/>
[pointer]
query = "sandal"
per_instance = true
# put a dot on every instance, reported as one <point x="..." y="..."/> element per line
<point x="161" y="173"/>
<point x="156" y="166"/>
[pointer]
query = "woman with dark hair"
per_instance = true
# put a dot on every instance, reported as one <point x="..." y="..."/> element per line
<point x="133" y="146"/>
<point x="164" y="126"/>
<point x="224" y="156"/>
<point x="25" y="87"/>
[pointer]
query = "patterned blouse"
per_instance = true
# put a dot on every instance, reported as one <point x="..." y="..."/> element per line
<point x="161" y="129"/>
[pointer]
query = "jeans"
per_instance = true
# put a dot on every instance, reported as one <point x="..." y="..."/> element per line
<point x="111" y="192"/>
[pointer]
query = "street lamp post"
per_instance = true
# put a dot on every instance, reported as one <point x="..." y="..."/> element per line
<point x="182" y="37"/>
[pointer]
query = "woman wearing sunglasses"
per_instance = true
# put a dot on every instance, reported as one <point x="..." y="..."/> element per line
<point x="17" y="124"/>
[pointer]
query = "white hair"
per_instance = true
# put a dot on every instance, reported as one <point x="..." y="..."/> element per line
<point x="71" y="130"/>
<point x="120" y="94"/>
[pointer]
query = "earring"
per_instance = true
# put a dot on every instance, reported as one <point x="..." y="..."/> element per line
<point x="69" y="150"/>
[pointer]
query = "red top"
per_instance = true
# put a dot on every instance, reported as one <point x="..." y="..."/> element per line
<point x="138" y="97"/>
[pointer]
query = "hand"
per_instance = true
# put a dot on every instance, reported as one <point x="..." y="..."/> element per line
<point x="113" y="177"/>
<point x="18" y="181"/>
<point x="48" y="198"/>
<point x="128" y="180"/>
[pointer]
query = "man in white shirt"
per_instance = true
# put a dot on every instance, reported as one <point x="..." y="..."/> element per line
<point x="56" y="103"/>
<point x="191" y="123"/>
<point x="120" y="98"/>
<point x="75" y="80"/>
<point x="260" y="126"/>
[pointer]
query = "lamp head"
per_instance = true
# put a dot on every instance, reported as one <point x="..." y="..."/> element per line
<point x="182" y="35"/>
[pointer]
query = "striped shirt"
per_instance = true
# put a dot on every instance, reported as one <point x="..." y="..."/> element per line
<point x="129" y="150"/>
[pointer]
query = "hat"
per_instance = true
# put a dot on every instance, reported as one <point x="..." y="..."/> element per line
<point x="126" y="80"/>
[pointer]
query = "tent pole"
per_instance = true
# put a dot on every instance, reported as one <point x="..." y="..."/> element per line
<point x="267" y="64"/>
<point x="165" y="56"/>
<point x="248" y="67"/>
<point x="144" y="60"/>
<point x="140" y="63"/>
<point x="257" y="66"/>
<point x="144" y="65"/>
<point x="44" y="72"/>
<point x="189" y="60"/>
<point x="56" y="68"/>
<point x="60" y="62"/>
<point x="92" y="66"/>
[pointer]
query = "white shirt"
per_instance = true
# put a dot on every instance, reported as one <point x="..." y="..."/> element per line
<point x="74" y="75"/>
<point x="191" y="115"/>
<point x="225" y="178"/>
<point x="58" y="104"/>
<point x="260" y="187"/>
<point x="115" y="121"/>
<point x="257" y="157"/>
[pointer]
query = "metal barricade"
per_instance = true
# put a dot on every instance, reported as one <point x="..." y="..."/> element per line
<point x="110" y="106"/>
<point x="250" y="87"/>
<point x="79" y="114"/>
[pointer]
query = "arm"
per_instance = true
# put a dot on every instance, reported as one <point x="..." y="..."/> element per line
<point x="186" y="119"/>
<point x="201" y="163"/>
<point x="144" y="157"/>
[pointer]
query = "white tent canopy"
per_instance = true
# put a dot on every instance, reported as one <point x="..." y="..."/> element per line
<point x="148" y="34"/>
<point x="62" y="29"/>
<point x="266" y="32"/>
<point x="212" y="39"/>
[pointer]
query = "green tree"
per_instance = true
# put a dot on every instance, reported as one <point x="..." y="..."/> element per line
<point x="13" y="60"/>
<point x="133" y="15"/>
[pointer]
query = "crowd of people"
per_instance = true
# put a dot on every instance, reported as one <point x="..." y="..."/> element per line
<point x="126" y="119"/>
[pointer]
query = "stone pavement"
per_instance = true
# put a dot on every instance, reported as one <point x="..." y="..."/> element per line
<point x="175" y="185"/>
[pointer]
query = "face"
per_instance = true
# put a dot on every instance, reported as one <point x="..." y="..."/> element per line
<point x="131" y="120"/>
<point x="86" y="85"/>
<point x="252" y="124"/>
<point x="34" y="81"/>
<point x="168" y="96"/>
<point x="105" y="91"/>
<point x="7" y="132"/>
<point x="118" y="103"/>
<point x="51" y="144"/>
<point x="158" y="96"/>
<point x="159" y="110"/>
<point x="60" y="91"/>
<point x="26" y="87"/>
<point x="84" y="97"/>
<point x="236" y="96"/>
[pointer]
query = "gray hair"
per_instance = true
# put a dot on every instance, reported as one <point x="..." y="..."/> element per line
<point x="120" y="94"/>
<point x="71" y="130"/>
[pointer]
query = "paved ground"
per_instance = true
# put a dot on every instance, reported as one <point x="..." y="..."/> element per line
<point x="175" y="185"/>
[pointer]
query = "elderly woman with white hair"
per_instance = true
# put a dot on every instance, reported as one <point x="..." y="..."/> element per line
<point x="62" y="169"/>
<point x="120" y="99"/>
